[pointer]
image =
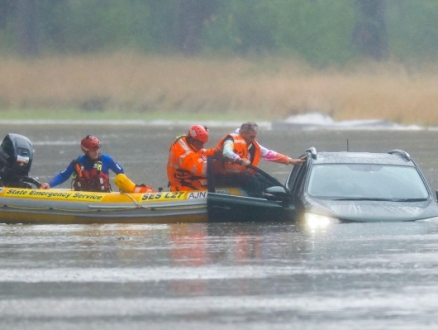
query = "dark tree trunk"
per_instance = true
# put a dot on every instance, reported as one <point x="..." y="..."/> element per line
<point x="27" y="27"/>
<point x="190" y="17"/>
<point x="370" y="32"/>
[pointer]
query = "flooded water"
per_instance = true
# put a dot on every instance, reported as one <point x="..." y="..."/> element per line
<point x="215" y="276"/>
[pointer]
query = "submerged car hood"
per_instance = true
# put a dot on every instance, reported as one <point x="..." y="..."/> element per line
<point x="373" y="211"/>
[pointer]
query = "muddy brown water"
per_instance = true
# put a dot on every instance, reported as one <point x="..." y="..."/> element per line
<point x="216" y="276"/>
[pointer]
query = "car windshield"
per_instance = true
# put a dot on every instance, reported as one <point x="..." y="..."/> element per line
<point x="366" y="181"/>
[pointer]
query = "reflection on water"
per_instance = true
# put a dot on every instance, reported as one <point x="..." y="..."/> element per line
<point x="246" y="273"/>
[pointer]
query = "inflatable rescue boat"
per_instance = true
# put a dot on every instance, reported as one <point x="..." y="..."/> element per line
<point x="21" y="203"/>
<point x="61" y="206"/>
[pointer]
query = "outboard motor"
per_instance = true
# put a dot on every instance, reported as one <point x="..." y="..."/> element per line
<point x="16" y="154"/>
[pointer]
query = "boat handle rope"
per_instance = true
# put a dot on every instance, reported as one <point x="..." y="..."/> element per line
<point x="139" y="205"/>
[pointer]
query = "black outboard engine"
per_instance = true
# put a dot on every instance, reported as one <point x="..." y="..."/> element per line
<point x="16" y="154"/>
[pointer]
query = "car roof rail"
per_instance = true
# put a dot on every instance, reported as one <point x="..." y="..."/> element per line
<point x="400" y="152"/>
<point x="312" y="151"/>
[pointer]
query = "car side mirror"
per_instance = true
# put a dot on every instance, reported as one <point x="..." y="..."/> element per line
<point x="279" y="190"/>
<point x="275" y="193"/>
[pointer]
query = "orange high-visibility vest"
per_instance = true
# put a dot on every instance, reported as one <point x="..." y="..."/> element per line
<point x="241" y="149"/>
<point x="186" y="167"/>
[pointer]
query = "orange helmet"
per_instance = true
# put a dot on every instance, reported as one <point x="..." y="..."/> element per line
<point x="90" y="142"/>
<point x="199" y="133"/>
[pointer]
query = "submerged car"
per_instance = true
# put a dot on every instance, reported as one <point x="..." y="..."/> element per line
<point x="360" y="186"/>
<point x="341" y="187"/>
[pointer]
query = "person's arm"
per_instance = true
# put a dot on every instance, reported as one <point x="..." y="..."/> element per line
<point x="59" y="178"/>
<point x="276" y="157"/>
<point x="228" y="150"/>
<point x="210" y="152"/>
<point x="112" y="164"/>
<point x="229" y="153"/>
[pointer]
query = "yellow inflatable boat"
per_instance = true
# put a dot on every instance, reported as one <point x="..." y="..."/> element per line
<point x="60" y="206"/>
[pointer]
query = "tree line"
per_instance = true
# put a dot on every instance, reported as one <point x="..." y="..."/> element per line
<point x="318" y="31"/>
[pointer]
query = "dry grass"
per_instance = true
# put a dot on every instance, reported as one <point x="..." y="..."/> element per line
<point x="266" y="89"/>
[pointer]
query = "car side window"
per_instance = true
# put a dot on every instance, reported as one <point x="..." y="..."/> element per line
<point x="293" y="176"/>
<point x="296" y="180"/>
<point x="299" y="182"/>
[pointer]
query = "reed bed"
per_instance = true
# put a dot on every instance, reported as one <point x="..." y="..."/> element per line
<point x="217" y="88"/>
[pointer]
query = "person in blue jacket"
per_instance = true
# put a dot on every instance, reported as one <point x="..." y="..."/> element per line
<point x="90" y="171"/>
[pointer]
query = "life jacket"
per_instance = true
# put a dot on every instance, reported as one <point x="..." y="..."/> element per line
<point x="183" y="179"/>
<point x="241" y="149"/>
<point x="90" y="180"/>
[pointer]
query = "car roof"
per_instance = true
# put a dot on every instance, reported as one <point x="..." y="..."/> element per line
<point x="393" y="157"/>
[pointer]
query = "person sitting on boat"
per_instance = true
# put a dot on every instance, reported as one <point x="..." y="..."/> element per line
<point x="91" y="171"/>
<point x="242" y="148"/>
<point x="187" y="163"/>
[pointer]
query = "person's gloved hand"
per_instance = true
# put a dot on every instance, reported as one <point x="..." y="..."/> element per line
<point x="242" y="161"/>
<point x="298" y="161"/>
<point x="142" y="188"/>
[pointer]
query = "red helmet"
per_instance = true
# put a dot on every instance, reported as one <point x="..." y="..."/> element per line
<point x="199" y="133"/>
<point x="90" y="142"/>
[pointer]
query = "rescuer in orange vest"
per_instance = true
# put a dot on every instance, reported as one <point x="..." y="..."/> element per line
<point x="187" y="163"/>
<point x="242" y="147"/>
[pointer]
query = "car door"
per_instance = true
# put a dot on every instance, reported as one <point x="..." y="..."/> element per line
<point x="296" y="183"/>
<point x="225" y="207"/>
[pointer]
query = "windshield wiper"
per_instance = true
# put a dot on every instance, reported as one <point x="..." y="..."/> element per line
<point x="410" y="199"/>
<point x="380" y="199"/>
<point x="363" y="199"/>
